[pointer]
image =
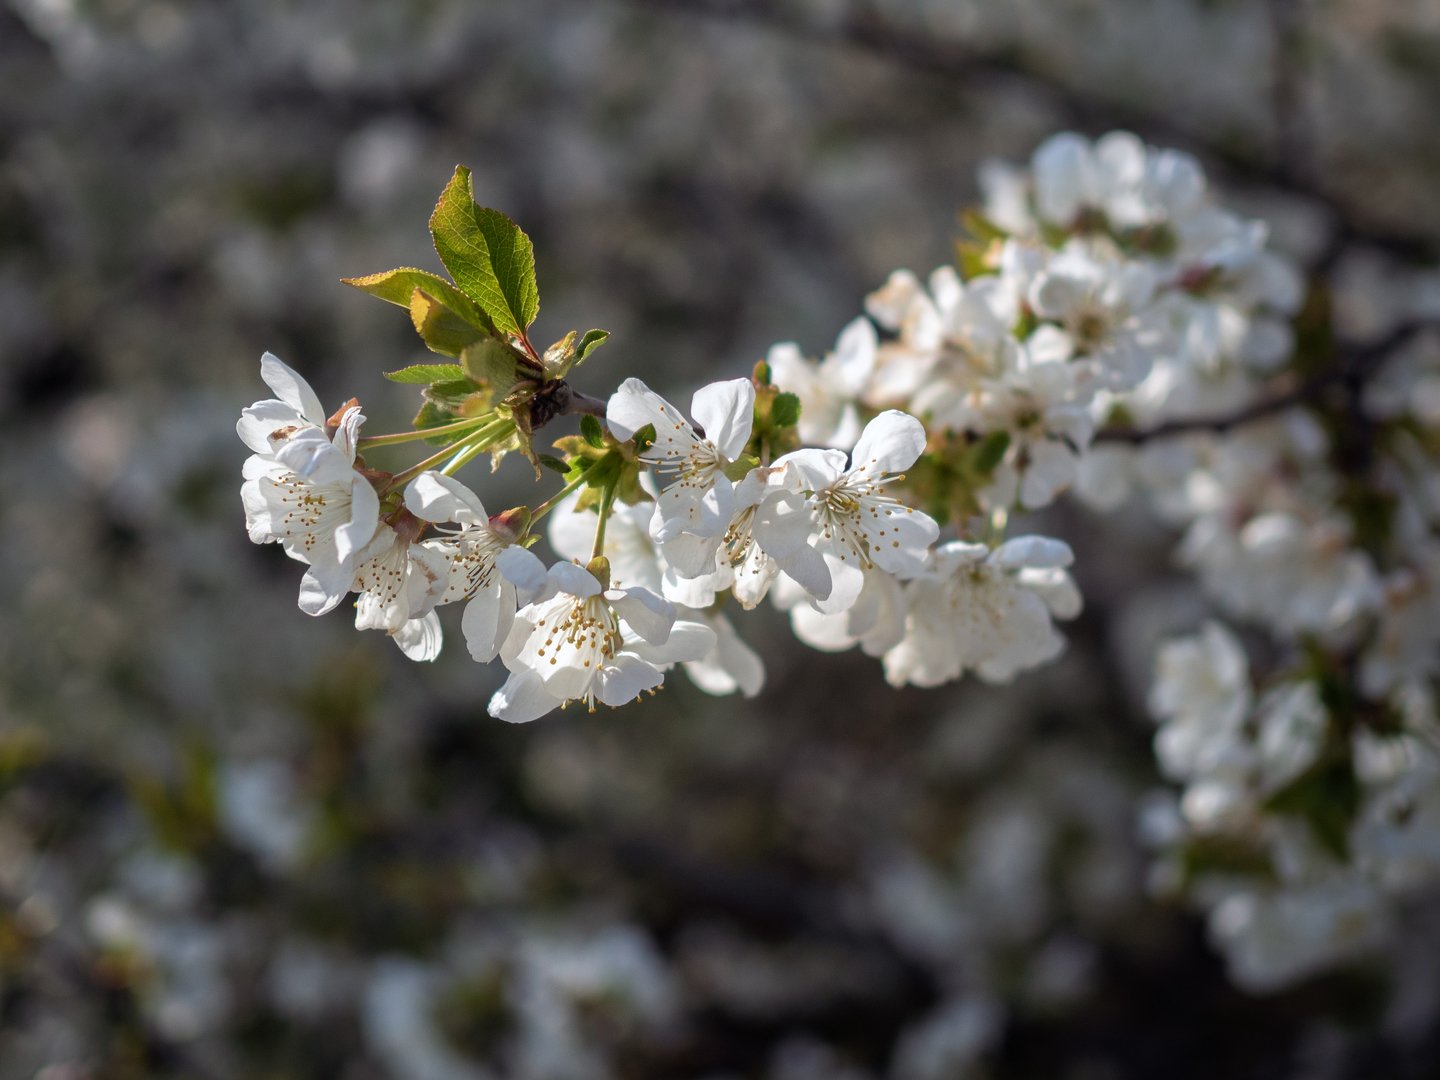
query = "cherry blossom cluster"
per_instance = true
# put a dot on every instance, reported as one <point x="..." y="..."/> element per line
<point x="1108" y="328"/>
<point x="1301" y="478"/>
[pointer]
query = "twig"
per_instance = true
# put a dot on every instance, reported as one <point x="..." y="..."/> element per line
<point x="1354" y="367"/>
<point x="918" y="51"/>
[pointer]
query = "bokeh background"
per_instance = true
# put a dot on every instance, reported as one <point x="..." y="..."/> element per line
<point x="239" y="842"/>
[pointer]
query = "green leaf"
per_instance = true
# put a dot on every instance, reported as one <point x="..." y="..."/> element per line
<point x="785" y="411"/>
<point x="399" y="285"/>
<point x="592" y="431"/>
<point x="491" y="364"/>
<point x="553" y="463"/>
<point x="990" y="451"/>
<point x="433" y="415"/>
<point x="450" y="391"/>
<point x="1327" y="795"/>
<point x="981" y="227"/>
<point x="424" y="374"/>
<point x="589" y="341"/>
<point x="490" y="258"/>
<point x="440" y="328"/>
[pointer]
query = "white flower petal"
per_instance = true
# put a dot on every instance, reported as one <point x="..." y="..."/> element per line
<point x="485" y="622"/>
<point x="291" y="388"/>
<point x="890" y="443"/>
<point x="648" y="615"/>
<point x="725" y="410"/>
<point x="575" y="580"/>
<point x="323" y="587"/>
<point x="846" y="581"/>
<point x="732" y="665"/>
<point x="420" y="639"/>
<point x="352" y="536"/>
<point x="523" y="698"/>
<point x="811" y="469"/>
<point x="1032" y="551"/>
<point x="634" y="405"/>
<point x="432" y="496"/>
<point x="687" y="641"/>
<point x="264" y="426"/>
<point x="626" y="678"/>
<point x="522" y="568"/>
<point x="808" y="569"/>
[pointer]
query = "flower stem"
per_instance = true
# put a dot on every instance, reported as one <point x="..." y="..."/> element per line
<point x="607" y="500"/>
<point x="421" y="433"/>
<point x="478" y="440"/>
<point x="554" y="500"/>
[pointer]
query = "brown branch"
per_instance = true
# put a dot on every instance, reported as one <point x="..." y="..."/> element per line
<point x="1354" y="368"/>
<point x="953" y="60"/>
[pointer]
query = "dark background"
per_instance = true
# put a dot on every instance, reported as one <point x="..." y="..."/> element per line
<point x="212" y="806"/>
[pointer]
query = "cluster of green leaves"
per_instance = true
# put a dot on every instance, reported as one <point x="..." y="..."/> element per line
<point x="605" y="467"/>
<point x="777" y="412"/>
<point x="977" y="249"/>
<point x="948" y="477"/>
<point x="1327" y="795"/>
<point x="480" y="318"/>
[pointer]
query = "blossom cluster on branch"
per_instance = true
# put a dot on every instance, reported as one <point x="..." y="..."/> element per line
<point x="1105" y="330"/>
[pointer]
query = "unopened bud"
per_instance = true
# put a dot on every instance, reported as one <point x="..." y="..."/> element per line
<point x="512" y="524"/>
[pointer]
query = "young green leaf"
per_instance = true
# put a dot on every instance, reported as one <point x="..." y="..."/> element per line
<point x="990" y="451"/>
<point x="785" y="411"/>
<point x="424" y="374"/>
<point x="589" y="341"/>
<point x="398" y="286"/>
<point x="593" y="432"/>
<point x="432" y="415"/>
<point x="491" y="364"/>
<point x="490" y="258"/>
<point x="440" y="328"/>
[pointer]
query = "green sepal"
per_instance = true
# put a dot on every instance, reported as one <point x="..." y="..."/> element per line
<point x="488" y="255"/>
<point x="553" y="463"/>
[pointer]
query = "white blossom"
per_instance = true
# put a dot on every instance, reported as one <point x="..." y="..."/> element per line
<point x="983" y="610"/>
<point x="635" y="560"/>
<point x="858" y="524"/>
<point x="581" y="642"/>
<point x="697" y="496"/>
<point x="399" y="582"/>
<point x="302" y="489"/>
<point x="828" y="390"/>
<point x="486" y="566"/>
